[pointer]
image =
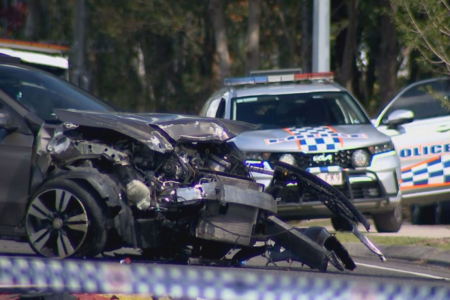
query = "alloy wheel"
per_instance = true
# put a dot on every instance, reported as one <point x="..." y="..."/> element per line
<point x="56" y="223"/>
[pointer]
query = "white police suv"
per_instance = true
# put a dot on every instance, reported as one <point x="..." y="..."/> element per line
<point x="419" y="125"/>
<point x="311" y="122"/>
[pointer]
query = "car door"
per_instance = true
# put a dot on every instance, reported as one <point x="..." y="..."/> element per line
<point x="16" y="145"/>
<point x="423" y="145"/>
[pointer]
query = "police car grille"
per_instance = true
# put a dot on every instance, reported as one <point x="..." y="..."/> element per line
<point x="359" y="191"/>
<point x="340" y="158"/>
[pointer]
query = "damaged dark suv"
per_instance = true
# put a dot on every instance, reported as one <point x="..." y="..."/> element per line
<point x="80" y="178"/>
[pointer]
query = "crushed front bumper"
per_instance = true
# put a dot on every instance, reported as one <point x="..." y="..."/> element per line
<point x="371" y="192"/>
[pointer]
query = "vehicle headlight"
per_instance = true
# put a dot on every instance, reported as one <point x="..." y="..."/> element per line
<point x="380" y="148"/>
<point x="360" y="158"/>
<point x="288" y="159"/>
<point x="257" y="156"/>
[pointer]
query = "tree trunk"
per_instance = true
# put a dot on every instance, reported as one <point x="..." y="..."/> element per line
<point x="387" y="64"/>
<point x="306" y="36"/>
<point x="217" y="16"/>
<point x="79" y="75"/>
<point x="252" y="51"/>
<point x="33" y="20"/>
<point x="348" y="59"/>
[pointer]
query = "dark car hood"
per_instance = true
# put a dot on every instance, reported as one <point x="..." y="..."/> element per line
<point x="140" y="126"/>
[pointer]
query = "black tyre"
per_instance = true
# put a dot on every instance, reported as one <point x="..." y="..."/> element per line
<point x="341" y="224"/>
<point x="442" y="213"/>
<point x="64" y="219"/>
<point x="390" y="221"/>
<point x="423" y="215"/>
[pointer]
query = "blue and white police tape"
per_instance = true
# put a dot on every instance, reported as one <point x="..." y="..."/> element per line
<point x="192" y="282"/>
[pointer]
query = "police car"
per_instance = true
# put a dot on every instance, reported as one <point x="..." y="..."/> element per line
<point x="419" y="125"/>
<point x="311" y="122"/>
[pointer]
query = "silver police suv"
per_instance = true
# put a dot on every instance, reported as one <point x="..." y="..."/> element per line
<point x="311" y="122"/>
<point x="419" y="125"/>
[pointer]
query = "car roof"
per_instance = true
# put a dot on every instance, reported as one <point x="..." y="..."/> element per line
<point x="285" y="89"/>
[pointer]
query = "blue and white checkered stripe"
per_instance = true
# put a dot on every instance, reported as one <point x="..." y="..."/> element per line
<point x="326" y="169"/>
<point x="197" y="282"/>
<point x="436" y="171"/>
<point x="320" y="138"/>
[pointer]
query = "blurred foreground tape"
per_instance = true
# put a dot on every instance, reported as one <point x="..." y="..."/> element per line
<point x="189" y="282"/>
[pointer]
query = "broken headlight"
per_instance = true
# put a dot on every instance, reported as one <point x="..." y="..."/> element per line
<point x="288" y="159"/>
<point x="257" y="156"/>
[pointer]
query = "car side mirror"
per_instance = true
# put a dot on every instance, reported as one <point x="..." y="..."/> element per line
<point x="399" y="117"/>
<point x="6" y="121"/>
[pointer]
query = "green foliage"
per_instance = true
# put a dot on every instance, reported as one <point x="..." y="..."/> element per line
<point x="426" y="27"/>
<point x="159" y="55"/>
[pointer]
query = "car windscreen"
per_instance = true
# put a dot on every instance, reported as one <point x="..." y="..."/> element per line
<point x="298" y="110"/>
<point x="41" y="92"/>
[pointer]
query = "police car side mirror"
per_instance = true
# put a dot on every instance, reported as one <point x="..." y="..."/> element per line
<point x="399" y="117"/>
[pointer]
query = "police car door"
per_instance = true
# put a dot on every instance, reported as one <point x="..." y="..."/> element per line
<point x="423" y="145"/>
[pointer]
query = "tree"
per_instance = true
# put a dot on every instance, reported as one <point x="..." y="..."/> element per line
<point x="350" y="51"/>
<point x="252" y="51"/>
<point x="426" y="27"/>
<point x="220" y="33"/>
<point x="387" y="61"/>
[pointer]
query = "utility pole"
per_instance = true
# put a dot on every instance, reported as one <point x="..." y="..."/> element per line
<point x="78" y="66"/>
<point x="321" y="36"/>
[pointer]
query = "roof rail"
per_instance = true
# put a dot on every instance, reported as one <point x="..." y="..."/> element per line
<point x="279" y="77"/>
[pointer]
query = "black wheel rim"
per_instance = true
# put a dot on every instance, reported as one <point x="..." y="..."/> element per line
<point x="56" y="223"/>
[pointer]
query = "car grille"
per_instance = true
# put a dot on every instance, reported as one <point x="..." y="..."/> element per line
<point x="341" y="158"/>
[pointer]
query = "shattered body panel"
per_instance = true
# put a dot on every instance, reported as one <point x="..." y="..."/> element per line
<point x="178" y="127"/>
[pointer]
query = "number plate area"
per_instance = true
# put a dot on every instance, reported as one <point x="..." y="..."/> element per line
<point x="334" y="178"/>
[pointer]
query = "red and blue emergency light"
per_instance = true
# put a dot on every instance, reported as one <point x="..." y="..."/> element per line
<point x="326" y="76"/>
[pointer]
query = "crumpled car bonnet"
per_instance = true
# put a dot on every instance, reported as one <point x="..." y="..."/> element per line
<point x="142" y="126"/>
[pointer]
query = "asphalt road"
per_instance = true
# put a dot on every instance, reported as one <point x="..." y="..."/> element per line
<point x="369" y="269"/>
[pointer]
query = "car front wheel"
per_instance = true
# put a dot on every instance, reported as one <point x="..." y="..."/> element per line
<point x="65" y="219"/>
<point x="390" y="221"/>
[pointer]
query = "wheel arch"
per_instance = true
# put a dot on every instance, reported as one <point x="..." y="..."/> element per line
<point x="108" y="191"/>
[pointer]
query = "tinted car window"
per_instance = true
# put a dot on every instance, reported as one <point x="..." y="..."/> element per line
<point x="41" y="92"/>
<point x="299" y="110"/>
<point x="423" y="100"/>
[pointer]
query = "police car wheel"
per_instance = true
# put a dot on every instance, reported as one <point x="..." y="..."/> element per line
<point x="389" y="221"/>
<point x="341" y="224"/>
<point x="422" y="214"/>
<point x="442" y="213"/>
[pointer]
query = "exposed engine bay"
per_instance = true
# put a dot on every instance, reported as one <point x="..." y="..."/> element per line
<point x="177" y="189"/>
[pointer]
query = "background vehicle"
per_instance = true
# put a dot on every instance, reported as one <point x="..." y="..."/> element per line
<point x="318" y="126"/>
<point x="80" y="178"/>
<point x="419" y="125"/>
<point x="51" y="58"/>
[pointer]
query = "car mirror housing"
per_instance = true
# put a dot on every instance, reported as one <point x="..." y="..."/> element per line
<point x="399" y="117"/>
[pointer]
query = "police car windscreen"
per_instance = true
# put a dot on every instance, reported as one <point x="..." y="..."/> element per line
<point x="298" y="110"/>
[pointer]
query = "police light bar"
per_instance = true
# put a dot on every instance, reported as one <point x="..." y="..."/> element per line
<point x="326" y="76"/>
